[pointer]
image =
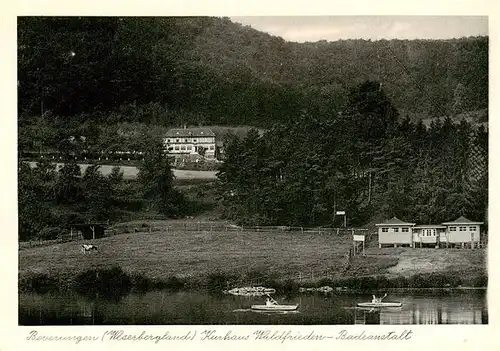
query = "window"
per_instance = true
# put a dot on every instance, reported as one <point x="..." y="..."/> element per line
<point x="189" y="147"/>
<point x="405" y="230"/>
<point x="472" y="229"/>
<point x="429" y="232"/>
<point x="211" y="147"/>
<point x="385" y="230"/>
<point x="194" y="140"/>
<point x="185" y="140"/>
<point x="396" y="230"/>
<point x="177" y="140"/>
<point x="168" y="140"/>
<point x="453" y="229"/>
<point x="463" y="229"/>
<point x="176" y="147"/>
<point x="183" y="147"/>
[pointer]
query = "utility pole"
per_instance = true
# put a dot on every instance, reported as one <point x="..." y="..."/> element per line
<point x="369" y="187"/>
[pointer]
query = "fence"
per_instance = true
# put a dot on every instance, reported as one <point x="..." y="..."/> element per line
<point x="193" y="227"/>
<point x="225" y="227"/>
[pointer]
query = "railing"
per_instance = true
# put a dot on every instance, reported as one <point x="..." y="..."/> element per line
<point x="226" y="227"/>
<point x="192" y="226"/>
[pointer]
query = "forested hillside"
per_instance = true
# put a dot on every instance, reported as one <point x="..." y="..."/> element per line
<point x="349" y="125"/>
<point x="364" y="162"/>
<point x="214" y="71"/>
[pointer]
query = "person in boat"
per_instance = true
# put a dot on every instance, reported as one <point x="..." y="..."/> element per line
<point x="377" y="300"/>
<point x="270" y="302"/>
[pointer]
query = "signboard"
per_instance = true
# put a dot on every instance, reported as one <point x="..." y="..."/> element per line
<point x="358" y="237"/>
<point x="340" y="213"/>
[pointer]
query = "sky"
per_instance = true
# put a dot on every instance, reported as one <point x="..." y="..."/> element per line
<point x="331" y="28"/>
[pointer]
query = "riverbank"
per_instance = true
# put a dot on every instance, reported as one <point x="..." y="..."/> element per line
<point x="216" y="260"/>
<point x="114" y="283"/>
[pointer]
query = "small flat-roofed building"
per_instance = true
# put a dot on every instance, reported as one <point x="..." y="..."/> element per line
<point x="429" y="235"/>
<point x="395" y="232"/>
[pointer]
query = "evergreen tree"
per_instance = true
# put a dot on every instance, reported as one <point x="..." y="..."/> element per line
<point x="97" y="193"/>
<point x="156" y="178"/>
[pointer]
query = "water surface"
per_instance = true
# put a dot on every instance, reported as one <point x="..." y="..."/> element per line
<point x="194" y="307"/>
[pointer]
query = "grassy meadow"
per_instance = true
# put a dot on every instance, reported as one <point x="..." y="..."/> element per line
<point x="252" y="258"/>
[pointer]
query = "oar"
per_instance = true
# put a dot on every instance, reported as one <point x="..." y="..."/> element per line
<point x="273" y="300"/>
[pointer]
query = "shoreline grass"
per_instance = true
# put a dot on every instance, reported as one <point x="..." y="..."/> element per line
<point x="218" y="260"/>
<point x="114" y="283"/>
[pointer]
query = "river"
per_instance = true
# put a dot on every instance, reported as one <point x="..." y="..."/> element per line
<point x="194" y="307"/>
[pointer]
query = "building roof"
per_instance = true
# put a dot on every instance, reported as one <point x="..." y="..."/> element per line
<point x="394" y="221"/>
<point x="461" y="220"/>
<point x="190" y="132"/>
<point x="433" y="226"/>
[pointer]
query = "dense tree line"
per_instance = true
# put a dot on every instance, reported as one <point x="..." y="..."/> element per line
<point x="51" y="199"/>
<point x="328" y="146"/>
<point x="214" y="71"/>
<point x="364" y="161"/>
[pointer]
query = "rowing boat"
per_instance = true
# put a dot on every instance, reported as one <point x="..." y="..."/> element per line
<point x="275" y="307"/>
<point x="380" y="304"/>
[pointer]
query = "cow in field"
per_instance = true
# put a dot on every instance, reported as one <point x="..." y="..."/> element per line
<point x="88" y="248"/>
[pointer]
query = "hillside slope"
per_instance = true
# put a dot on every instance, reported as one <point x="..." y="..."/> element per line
<point x="220" y="72"/>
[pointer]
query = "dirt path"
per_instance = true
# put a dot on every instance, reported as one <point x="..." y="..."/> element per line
<point x="415" y="261"/>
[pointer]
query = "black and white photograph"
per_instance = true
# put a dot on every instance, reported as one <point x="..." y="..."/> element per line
<point x="252" y="170"/>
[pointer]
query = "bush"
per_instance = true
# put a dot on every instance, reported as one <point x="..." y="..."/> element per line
<point x="399" y="282"/>
<point x="324" y="282"/>
<point x="480" y="281"/>
<point x="37" y="282"/>
<point x="51" y="233"/>
<point x="108" y="283"/>
<point x="289" y="287"/>
<point x="173" y="283"/>
<point x="218" y="282"/>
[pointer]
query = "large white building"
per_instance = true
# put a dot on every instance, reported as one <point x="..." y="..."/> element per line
<point x="190" y="142"/>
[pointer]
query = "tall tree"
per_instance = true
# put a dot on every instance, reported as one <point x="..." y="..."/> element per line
<point x="156" y="177"/>
<point x="97" y="193"/>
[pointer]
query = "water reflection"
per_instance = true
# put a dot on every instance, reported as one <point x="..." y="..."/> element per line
<point x="162" y="307"/>
<point x="453" y="310"/>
